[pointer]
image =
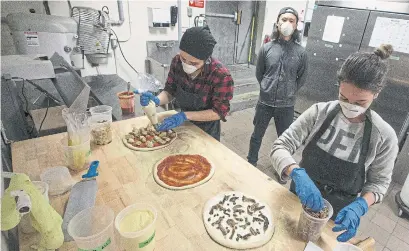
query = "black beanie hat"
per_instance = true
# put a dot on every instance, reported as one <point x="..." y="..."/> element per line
<point x="198" y="42"/>
<point x="287" y="10"/>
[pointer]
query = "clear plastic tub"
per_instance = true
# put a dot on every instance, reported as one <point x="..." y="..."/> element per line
<point x="127" y="102"/>
<point x="346" y="247"/>
<point x="309" y="227"/>
<point x="142" y="240"/>
<point x="77" y="156"/>
<point x="59" y="180"/>
<point x="101" y="124"/>
<point x="93" y="229"/>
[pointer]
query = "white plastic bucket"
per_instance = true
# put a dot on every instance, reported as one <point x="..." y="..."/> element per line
<point x="142" y="240"/>
<point x="93" y="229"/>
<point x="346" y="247"/>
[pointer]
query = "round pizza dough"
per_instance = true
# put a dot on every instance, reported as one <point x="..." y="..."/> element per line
<point x="147" y="149"/>
<point x="163" y="184"/>
<point x="256" y="238"/>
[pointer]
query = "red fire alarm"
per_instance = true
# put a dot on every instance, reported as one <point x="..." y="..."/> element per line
<point x="196" y="3"/>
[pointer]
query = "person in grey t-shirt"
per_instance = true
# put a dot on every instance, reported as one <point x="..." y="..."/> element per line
<point x="281" y="71"/>
<point x="350" y="151"/>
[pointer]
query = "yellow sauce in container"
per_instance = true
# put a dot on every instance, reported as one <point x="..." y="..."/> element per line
<point x="136" y="221"/>
<point x="136" y="225"/>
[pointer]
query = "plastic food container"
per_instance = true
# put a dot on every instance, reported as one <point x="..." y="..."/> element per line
<point x="93" y="229"/>
<point x="25" y="223"/>
<point x="309" y="227"/>
<point x="101" y="124"/>
<point x="77" y="156"/>
<point x="127" y="102"/>
<point x="346" y="247"/>
<point x="59" y="180"/>
<point x="142" y="240"/>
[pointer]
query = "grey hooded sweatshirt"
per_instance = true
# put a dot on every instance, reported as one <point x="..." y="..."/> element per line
<point x="281" y="70"/>
<point x="343" y="140"/>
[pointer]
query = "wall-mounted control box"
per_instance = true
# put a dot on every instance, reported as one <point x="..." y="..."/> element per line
<point x="158" y="17"/>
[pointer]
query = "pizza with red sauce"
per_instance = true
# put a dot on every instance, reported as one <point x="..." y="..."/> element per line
<point x="183" y="171"/>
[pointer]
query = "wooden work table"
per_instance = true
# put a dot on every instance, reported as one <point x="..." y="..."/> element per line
<point x="125" y="177"/>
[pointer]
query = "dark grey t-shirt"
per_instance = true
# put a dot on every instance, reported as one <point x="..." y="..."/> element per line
<point x="281" y="70"/>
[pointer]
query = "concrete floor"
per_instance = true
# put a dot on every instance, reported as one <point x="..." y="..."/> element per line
<point x="381" y="222"/>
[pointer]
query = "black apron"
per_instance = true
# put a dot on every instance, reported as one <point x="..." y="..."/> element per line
<point x="338" y="180"/>
<point x="190" y="101"/>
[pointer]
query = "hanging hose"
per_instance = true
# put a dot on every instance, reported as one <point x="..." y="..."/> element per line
<point x="251" y="40"/>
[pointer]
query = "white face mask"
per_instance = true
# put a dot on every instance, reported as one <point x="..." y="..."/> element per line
<point x="351" y="111"/>
<point x="286" y="29"/>
<point x="189" y="69"/>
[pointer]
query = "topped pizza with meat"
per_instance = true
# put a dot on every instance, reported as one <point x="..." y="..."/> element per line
<point x="148" y="139"/>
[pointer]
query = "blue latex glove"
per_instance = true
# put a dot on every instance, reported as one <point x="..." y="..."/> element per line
<point x="349" y="218"/>
<point x="146" y="97"/>
<point x="172" y="121"/>
<point x="306" y="190"/>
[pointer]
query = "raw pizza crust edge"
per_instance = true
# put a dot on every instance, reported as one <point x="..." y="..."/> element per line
<point x="146" y="149"/>
<point x="217" y="236"/>
<point x="163" y="184"/>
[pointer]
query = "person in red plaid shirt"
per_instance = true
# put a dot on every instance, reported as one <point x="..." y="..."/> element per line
<point x="200" y="84"/>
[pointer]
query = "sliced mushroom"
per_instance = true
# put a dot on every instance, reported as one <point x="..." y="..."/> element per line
<point x="233" y="199"/>
<point x="249" y="212"/>
<point x="225" y="198"/>
<point x="223" y="229"/>
<point x="237" y="207"/>
<point x="232" y="234"/>
<point x="216" y="207"/>
<point x="266" y="222"/>
<point x="238" y="237"/>
<point x="258" y="208"/>
<point x="218" y="221"/>
<point x="231" y="223"/>
<point x="247" y="236"/>
<point x="257" y="219"/>
<point x="247" y="199"/>
<point x="252" y="231"/>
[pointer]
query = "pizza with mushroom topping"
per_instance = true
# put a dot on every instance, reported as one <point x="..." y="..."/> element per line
<point x="239" y="221"/>
<point x="148" y="139"/>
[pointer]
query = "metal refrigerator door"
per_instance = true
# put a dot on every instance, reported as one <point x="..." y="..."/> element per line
<point x="393" y="102"/>
<point x="325" y="58"/>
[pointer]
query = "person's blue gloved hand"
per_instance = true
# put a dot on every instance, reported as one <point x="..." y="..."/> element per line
<point x="349" y="218"/>
<point x="306" y="190"/>
<point x="146" y="97"/>
<point x="172" y="121"/>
